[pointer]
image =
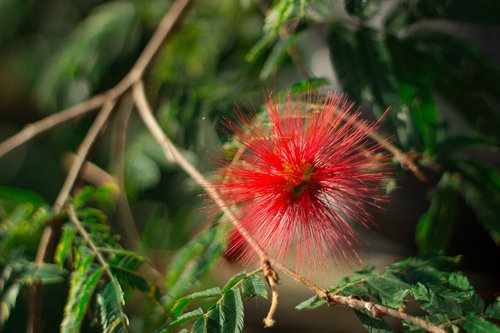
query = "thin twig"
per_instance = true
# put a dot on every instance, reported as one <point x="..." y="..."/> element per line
<point x="81" y="155"/>
<point x="45" y="124"/>
<point x="376" y="310"/>
<point x="71" y="178"/>
<point x="109" y="98"/>
<point x="86" y="237"/>
<point x="172" y="152"/>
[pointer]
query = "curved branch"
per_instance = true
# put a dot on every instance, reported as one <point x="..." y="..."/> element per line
<point x="172" y="153"/>
<point x="86" y="237"/>
<point x="32" y="130"/>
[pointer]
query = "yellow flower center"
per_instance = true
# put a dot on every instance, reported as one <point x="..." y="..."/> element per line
<point x="298" y="178"/>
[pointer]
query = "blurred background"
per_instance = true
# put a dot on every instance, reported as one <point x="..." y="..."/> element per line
<point x="434" y="63"/>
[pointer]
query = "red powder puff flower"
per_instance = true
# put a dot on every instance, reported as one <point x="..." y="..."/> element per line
<point x="302" y="179"/>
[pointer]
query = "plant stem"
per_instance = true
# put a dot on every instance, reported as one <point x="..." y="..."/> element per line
<point x="173" y="154"/>
<point x="86" y="237"/>
<point x="34" y="129"/>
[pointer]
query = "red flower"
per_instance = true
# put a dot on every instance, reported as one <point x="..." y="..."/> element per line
<point x="303" y="179"/>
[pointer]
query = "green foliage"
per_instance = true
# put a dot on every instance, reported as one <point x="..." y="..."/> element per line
<point x="18" y="274"/>
<point x="192" y="262"/>
<point x="282" y="15"/>
<point x="224" y="308"/>
<point x="111" y="302"/>
<point x="84" y="280"/>
<point x="21" y="227"/>
<point x="434" y="228"/>
<point x="475" y="324"/>
<point x="373" y="325"/>
<point x="445" y="295"/>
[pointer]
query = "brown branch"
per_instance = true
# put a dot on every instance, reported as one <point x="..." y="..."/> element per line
<point x="376" y="310"/>
<point x="82" y="153"/>
<point x="90" y="172"/>
<point x="172" y="153"/>
<point x="86" y="237"/>
<point x="83" y="150"/>
<point x="43" y="125"/>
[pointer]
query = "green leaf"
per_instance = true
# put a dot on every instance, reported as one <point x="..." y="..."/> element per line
<point x="232" y="309"/>
<point x="64" y="247"/>
<point x="130" y="278"/>
<point x="104" y="196"/>
<point x="435" y="227"/>
<point x="349" y="285"/>
<point x="23" y="225"/>
<point x="184" y="301"/>
<point x="484" y="200"/>
<point x="493" y="310"/>
<point x="16" y="196"/>
<point x="452" y="144"/>
<point x="82" y="285"/>
<point x="185" y="318"/>
<point x="373" y="325"/>
<point x="214" y="319"/>
<point x="253" y="286"/>
<point x="310" y="303"/>
<point x="190" y="251"/>
<point x="419" y="113"/>
<point x="305" y="86"/>
<point x="405" y="13"/>
<point x="281" y="14"/>
<point x="8" y="301"/>
<point x="32" y="273"/>
<point x="233" y="281"/>
<point x="465" y="75"/>
<point x="111" y="302"/>
<point x="435" y="303"/>
<point x="199" y="326"/>
<point x="192" y="262"/>
<point x="389" y="289"/>
<point x="475" y="324"/>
